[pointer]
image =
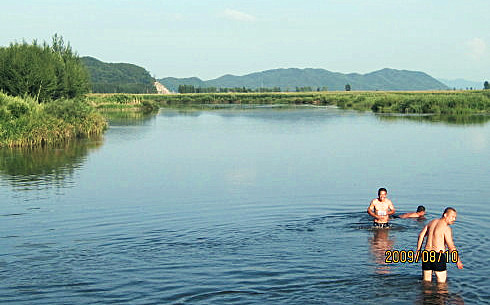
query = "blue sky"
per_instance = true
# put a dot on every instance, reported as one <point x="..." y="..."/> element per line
<point x="210" y="38"/>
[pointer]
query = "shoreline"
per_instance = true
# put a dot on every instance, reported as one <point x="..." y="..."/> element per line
<point x="401" y="102"/>
<point x="26" y="123"/>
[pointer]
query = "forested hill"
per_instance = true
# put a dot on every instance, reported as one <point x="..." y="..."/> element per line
<point x="118" y="77"/>
<point x="290" y="79"/>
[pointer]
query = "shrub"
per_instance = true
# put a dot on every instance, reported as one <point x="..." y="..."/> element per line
<point x="42" y="71"/>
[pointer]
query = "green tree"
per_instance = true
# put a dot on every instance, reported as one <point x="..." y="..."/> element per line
<point x="42" y="71"/>
<point x="486" y="85"/>
<point x="186" y="89"/>
<point x="118" y="77"/>
<point x="347" y="87"/>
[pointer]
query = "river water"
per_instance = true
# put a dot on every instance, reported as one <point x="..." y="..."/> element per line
<point x="243" y="206"/>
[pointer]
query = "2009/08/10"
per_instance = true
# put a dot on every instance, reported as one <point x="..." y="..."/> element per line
<point x="410" y="256"/>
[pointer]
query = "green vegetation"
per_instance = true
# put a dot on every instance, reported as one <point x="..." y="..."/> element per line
<point x="470" y="119"/>
<point x="486" y="85"/>
<point x="436" y="102"/>
<point x="238" y="98"/>
<point x="123" y="102"/>
<point x="42" y="71"/>
<point x="24" y="122"/>
<point x="446" y="103"/>
<point x="118" y="77"/>
<point x="42" y="90"/>
<point x="192" y="89"/>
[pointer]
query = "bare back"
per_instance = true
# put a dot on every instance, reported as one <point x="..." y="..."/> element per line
<point x="439" y="235"/>
<point x="437" y="230"/>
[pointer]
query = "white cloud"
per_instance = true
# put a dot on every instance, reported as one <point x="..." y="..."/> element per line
<point x="238" y="16"/>
<point x="476" y="48"/>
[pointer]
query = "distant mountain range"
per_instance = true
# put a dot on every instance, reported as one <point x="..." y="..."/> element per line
<point x="130" y="78"/>
<point x="289" y="79"/>
<point x="461" y="84"/>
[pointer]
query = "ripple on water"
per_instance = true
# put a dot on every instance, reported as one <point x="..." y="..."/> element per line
<point x="337" y="258"/>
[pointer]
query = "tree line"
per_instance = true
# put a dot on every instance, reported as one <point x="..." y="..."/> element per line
<point x="123" y="88"/>
<point x="194" y="89"/>
<point x="45" y="72"/>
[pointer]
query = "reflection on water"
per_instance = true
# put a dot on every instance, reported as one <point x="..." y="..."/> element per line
<point x="437" y="294"/>
<point x="447" y="119"/>
<point x="380" y="242"/>
<point x="127" y="118"/>
<point x="44" y="167"/>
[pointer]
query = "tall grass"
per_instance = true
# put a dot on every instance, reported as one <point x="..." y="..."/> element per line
<point x="118" y="101"/>
<point x="436" y="102"/>
<point x="25" y="123"/>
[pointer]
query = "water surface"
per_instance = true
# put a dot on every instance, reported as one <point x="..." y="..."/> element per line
<point x="242" y="206"/>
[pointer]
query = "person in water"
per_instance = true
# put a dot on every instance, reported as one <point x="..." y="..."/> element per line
<point x="381" y="208"/>
<point x="420" y="213"/>
<point x="438" y="234"/>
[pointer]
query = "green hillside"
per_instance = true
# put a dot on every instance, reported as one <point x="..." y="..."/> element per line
<point x="290" y="79"/>
<point x="172" y="83"/>
<point x="118" y="77"/>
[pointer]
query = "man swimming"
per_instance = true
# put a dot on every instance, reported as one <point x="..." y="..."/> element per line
<point x="381" y="208"/>
<point x="420" y="213"/>
<point x="438" y="234"/>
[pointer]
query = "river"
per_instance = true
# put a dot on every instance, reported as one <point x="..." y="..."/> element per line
<point x="243" y="206"/>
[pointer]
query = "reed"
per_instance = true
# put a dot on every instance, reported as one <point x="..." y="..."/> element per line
<point x="425" y="102"/>
<point x="26" y="123"/>
<point x="122" y="102"/>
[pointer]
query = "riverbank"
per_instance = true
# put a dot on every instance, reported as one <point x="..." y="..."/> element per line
<point x="26" y="123"/>
<point x="108" y="102"/>
<point x="424" y="102"/>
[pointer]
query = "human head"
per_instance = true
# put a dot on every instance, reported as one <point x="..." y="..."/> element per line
<point x="382" y="190"/>
<point x="421" y="209"/>
<point x="382" y="194"/>
<point x="449" y="215"/>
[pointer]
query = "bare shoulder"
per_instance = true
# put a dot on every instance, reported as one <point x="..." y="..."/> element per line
<point x="448" y="230"/>
<point x="433" y="222"/>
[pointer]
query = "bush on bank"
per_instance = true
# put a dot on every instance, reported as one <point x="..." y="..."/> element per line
<point x="123" y="101"/>
<point x="24" y="122"/>
<point x="45" y="72"/>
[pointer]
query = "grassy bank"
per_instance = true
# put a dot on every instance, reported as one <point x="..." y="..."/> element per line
<point x="437" y="102"/>
<point x="445" y="102"/>
<point x="123" y="102"/>
<point x="26" y="123"/>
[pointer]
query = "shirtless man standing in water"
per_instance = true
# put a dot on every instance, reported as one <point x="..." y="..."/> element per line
<point x="438" y="234"/>
<point x="381" y="208"/>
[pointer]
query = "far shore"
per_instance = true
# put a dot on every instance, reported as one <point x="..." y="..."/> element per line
<point x="410" y="102"/>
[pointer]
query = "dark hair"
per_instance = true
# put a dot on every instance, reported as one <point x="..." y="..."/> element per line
<point x="382" y="190"/>
<point x="420" y="208"/>
<point x="448" y="209"/>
